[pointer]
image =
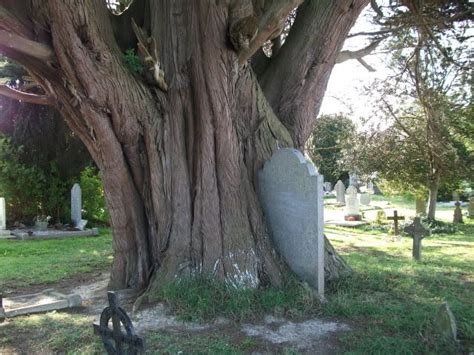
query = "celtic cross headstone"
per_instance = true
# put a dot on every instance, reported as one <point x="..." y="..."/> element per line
<point x="115" y="341"/>
<point x="417" y="232"/>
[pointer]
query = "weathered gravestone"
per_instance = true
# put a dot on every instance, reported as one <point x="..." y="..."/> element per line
<point x="340" y="192"/>
<point x="364" y="199"/>
<point x="291" y="193"/>
<point x="457" y="217"/>
<point x="420" y="205"/>
<point x="116" y="342"/>
<point x="76" y="208"/>
<point x="3" y="219"/>
<point x="456" y="196"/>
<point x="353" y="180"/>
<point x="395" y="218"/>
<point x="446" y="323"/>
<point x="471" y="207"/>
<point x="417" y="232"/>
<point x="352" y="212"/>
<point x="370" y="187"/>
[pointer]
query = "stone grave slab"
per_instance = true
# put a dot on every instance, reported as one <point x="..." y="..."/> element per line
<point x="345" y="223"/>
<point x="340" y="192"/>
<point x="22" y="234"/>
<point x="48" y="300"/>
<point x="291" y="192"/>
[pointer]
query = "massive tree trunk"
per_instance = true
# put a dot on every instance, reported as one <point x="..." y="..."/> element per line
<point x="179" y="166"/>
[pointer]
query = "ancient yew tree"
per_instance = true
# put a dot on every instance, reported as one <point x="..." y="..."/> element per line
<point x="179" y="144"/>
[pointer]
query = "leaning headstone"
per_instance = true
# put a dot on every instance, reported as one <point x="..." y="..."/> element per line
<point x="76" y="205"/>
<point x="471" y="207"/>
<point x="352" y="212"/>
<point x="457" y="217"/>
<point x="291" y="193"/>
<point x="420" y="205"/>
<point x="340" y="192"/>
<point x="446" y="323"/>
<point x="364" y="199"/>
<point x="417" y="232"/>
<point x="115" y="340"/>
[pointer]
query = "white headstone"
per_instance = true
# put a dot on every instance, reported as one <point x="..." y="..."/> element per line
<point x="291" y="193"/>
<point x="76" y="205"/>
<point x="327" y="186"/>
<point x="340" y="192"/>
<point x="352" y="203"/>
<point x="353" y="180"/>
<point x="370" y="187"/>
<point x="364" y="199"/>
<point x="3" y="218"/>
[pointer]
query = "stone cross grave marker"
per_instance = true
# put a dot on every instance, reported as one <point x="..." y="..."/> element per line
<point x="340" y="192"/>
<point x="417" y="232"/>
<point x="457" y="217"/>
<point x="471" y="207"/>
<point x="76" y="205"/>
<point x="395" y="218"/>
<point x="352" y="212"/>
<point x="116" y="342"/>
<point x="291" y="193"/>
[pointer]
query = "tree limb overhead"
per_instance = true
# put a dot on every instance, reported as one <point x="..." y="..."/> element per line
<point x="24" y="96"/>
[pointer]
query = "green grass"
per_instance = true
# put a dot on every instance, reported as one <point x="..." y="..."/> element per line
<point x="202" y="299"/>
<point x="23" y="263"/>
<point x="395" y="299"/>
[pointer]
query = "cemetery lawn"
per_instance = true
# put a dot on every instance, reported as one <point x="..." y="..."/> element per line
<point x="393" y="300"/>
<point x="29" y="264"/>
<point x="390" y="302"/>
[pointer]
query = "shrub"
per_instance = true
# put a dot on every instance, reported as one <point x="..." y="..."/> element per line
<point x="93" y="200"/>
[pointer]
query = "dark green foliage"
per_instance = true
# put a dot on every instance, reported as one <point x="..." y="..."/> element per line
<point x="133" y="62"/>
<point x="329" y="138"/>
<point x="439" y="227"/>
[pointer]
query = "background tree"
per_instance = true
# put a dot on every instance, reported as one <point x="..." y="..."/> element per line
<point x="425" y="104"/>
<point x="179" y="144"/>
<point x="330" y="137"/>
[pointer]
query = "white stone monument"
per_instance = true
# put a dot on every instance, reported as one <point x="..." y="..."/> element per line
<point x="340" y="192"/>
<point x="291" y="193"/>
<point x="76" y="208"/>
<point x="3" y="219"/>
<point x="351" y="212"/>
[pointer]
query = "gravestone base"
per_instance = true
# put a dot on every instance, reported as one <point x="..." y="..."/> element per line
<point x="5" y="234"/>
<point x="22" y="234"/>
<point x="48" y="300"/>
<point x="353" y="217"/>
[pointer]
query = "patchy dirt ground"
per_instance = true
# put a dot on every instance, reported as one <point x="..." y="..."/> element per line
<point x="268" y="336"/>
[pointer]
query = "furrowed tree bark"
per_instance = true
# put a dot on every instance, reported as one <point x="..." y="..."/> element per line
<point x="179" y="167"/>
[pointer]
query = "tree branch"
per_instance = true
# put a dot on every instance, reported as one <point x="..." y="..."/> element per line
<point x="25" y="46"/>
<point x="358" y="54"/>
<point x="10" y="23"/>
<point x="26" y="97"/>
<point x="270" y="25"/>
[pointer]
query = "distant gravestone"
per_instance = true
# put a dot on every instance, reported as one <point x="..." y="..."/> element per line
<point x="340" y="192"/>
<point x="76" y="205"/>
<point x="291" y="193"/>
<point x="471" y="207"/>
<point x="353" y="180"/>
<point x="3" y="218"/>
<point x="352" y="212"/>
<point x="420" y="205"/>
<point x="327" y="186"/>
<point x="457" y="217"/>
<point x="417" y="232"/>
<point x="364" y="199"/>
